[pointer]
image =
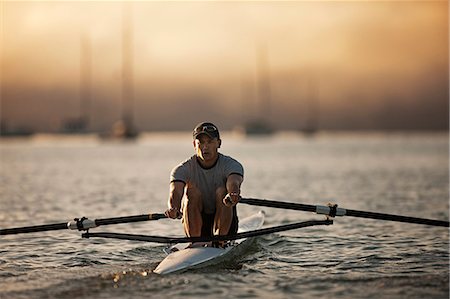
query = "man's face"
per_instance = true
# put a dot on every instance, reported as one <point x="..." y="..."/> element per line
<point x="206" y="148"/>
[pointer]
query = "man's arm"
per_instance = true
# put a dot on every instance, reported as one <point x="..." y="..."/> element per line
<point x="233" y="185"/>
<point x="175" y="197"/>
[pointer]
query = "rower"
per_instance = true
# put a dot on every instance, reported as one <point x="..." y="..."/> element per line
<point x="205" y="188"/>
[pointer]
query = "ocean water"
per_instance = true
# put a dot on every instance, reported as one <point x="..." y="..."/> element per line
<point x="47" y="179"/>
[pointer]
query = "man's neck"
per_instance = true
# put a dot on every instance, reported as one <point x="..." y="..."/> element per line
<point x="208" y="164"/>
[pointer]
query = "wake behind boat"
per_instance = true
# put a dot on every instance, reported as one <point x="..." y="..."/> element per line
<point x="184" y="256"/>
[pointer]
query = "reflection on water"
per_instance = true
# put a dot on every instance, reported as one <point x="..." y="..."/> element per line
<point x="47" y="179"/>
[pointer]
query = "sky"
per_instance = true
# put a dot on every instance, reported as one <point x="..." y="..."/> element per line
<point x="349" y="65"/>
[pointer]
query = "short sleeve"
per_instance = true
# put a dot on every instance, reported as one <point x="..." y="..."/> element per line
<point x="180" y="174"/>
<point x="233" y="167"/>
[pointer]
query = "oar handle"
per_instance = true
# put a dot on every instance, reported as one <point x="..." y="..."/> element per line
<point x="336" y="211"/>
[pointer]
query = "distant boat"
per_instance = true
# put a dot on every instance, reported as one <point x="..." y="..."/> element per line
<point x="309" y="130"/>
<point x="311" y="125"/>
<point x="258" y="127"/>
<point x="6" y="131"/>
<point x="120" y="130"/>
<point x="75" y="125"/>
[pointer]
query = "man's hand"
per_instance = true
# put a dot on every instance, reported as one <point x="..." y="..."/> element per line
<point x="231" y="199"/>
<point x="173" y="213"/>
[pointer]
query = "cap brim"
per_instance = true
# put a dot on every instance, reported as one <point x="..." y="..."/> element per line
<point x="206" y="133"/>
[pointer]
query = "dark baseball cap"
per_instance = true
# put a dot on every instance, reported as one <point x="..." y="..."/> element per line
<point x="206" y="128"/>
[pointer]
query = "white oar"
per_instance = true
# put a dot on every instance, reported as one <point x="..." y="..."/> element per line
<point x="333" y="211"/>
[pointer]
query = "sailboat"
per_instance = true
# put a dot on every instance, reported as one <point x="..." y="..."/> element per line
<point x="260" y="125"/>
<point x="125" y="128"/>
<point x="312" y="109"/>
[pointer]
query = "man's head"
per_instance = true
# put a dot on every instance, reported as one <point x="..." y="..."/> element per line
<point x="206" y="142"/>
<point x="206" y="128"/>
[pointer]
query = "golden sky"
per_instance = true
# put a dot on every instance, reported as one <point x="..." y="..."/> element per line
<point x="361" y="54"/>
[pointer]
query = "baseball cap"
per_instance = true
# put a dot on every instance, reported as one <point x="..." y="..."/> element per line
<point x="206" y="128"/>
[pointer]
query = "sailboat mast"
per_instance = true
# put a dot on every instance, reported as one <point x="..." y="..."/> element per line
<point x="127" y="67"/>
<point x="85" y="79"/>
<point x="264" y="90"/>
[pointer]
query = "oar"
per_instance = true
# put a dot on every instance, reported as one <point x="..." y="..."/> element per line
<point x="162" y="239"/>
<point x="335" y="211"/>
<point x="81" y="224"/>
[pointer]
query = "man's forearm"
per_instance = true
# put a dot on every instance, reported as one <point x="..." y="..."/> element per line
<point x="234" y="182"/>
<point x="176" y="195"/>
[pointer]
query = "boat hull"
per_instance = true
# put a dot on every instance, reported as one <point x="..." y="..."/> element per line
<point x="185" y="257"/>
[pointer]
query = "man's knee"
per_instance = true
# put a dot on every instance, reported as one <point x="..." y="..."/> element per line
<point x="193" y="197"/>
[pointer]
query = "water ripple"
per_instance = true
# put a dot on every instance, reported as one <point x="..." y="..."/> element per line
<point x="353" y="258"/>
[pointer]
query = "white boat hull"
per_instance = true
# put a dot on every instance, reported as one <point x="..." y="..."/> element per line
<point x="193" y="257"/>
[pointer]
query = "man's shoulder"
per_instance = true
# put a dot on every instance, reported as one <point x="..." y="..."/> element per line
<point x="230" y="165"/>
<point x="182" y="171"/>
<point x="186" y="163"/>
<point x="189" y="160"/>
<point x="228" y="159"/>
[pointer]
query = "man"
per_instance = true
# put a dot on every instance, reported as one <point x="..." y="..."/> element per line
<point x="209" y="184"/>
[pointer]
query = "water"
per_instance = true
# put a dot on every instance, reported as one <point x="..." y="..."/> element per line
<point x="48" y="180"/>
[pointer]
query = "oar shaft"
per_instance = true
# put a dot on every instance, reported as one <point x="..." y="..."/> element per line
<point x="81" y="224"/>
<point x="129" y="219"/>
<point x="33" y="229"/>
<point x="397" y="218"/>
<point x="162" y="239"/>
<point x="279" y="204"/>
<point x="342" y="212"/>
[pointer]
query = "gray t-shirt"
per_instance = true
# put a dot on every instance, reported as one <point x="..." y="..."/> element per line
<point x="207" y="180"/>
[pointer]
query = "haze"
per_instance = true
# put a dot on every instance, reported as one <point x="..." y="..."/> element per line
<point x="362" y="65"/>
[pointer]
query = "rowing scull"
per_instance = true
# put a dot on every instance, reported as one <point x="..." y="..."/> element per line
<point x="185" y="256"/>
